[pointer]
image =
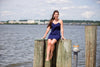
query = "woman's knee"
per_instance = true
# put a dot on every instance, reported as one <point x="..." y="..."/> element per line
<point x="49" y="41"/>
<point x="53" y="41"/>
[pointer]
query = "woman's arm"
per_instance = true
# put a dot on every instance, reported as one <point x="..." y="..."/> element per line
<point x="62" y="30"/>
<point x="47" y="30"/>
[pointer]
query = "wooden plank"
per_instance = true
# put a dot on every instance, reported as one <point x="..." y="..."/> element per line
<point x="38" y="53"/>
<point x="64" y="54"/>
<point x="90" y="45"/>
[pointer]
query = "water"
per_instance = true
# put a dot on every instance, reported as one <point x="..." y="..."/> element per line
<point x="17" y="43"/>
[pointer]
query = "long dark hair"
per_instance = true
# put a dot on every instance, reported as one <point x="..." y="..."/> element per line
<point x="52" y="18"/>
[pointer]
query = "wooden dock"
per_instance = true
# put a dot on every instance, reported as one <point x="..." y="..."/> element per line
<point x="62" y="55"/>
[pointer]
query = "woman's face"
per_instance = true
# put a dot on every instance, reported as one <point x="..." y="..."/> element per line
<point x="56" y="15"/>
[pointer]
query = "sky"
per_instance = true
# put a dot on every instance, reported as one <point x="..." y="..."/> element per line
<point x="43" y="9"/>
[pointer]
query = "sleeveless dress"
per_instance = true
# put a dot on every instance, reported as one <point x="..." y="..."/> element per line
<point x="55" y="31"/>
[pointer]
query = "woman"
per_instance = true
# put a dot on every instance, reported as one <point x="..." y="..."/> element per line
<point x="55" y="24"/>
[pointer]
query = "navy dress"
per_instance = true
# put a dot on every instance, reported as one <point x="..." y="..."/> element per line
<point x="55" y="31"/>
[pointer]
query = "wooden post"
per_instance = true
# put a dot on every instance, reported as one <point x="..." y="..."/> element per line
<point x="90" y="44"/>
<point x="62" y="55"/>
<point x="39" y="53"/>
<point x="75" y="51"/>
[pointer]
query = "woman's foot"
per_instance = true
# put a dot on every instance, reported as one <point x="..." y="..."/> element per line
<point x="47" y="59"/>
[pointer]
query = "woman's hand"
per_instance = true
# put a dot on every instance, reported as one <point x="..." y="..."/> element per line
<point x="62" y="37"/>
<point x="43" y="37"/>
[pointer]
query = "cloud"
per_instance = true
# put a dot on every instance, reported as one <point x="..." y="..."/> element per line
<point x="98" y="2"/>
<point x="66" y="8"/>
<point x="87" y="14"/>
<point x="55" y="8"/>
<point x="84" y="6"/>
<point x="5" y="13"/>
<point x="62" y="14"/>
<point x="58" y="1"/>
<point x="71" y="7"/>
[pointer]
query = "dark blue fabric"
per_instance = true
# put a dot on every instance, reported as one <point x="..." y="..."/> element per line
<point x="55" y="32"/>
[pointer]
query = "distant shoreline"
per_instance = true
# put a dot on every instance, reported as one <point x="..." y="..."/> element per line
<point x="44" y="22"/>
<point x="75" y="24"/>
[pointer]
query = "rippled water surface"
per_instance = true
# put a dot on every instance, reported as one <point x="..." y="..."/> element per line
<point x="17" y="43"/>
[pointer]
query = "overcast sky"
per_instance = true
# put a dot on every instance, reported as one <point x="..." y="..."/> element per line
<point x="43" y="9"/>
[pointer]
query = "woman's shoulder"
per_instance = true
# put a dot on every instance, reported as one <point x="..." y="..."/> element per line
<point x="60" y="21"/>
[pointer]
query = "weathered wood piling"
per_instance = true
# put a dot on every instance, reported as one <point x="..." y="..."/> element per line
<point x="90" y="46"/>
<point x="38" y="53"/>
<point x="62" y="55"/>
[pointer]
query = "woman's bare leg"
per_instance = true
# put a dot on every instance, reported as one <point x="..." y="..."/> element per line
<point x="52" y="47"/>
<point x="48" y="49"/>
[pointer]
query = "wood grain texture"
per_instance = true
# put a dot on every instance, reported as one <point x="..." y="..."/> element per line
<point x="90" y="45"/>
<point x="62" y="55"/>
